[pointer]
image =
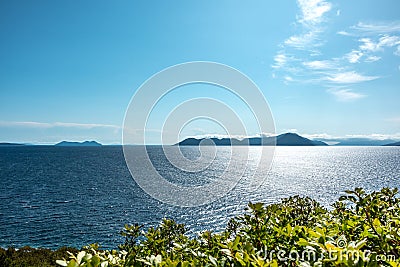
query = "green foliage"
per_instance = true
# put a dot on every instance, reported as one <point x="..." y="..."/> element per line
<point x="27" y="256"/>
<point x="361" y="230"/>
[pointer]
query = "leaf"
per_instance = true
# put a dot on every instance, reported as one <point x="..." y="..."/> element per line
<point x="226" y="252"/>
<point x="157" y="259"/>
<point x="376" y="222"/>
<point x="80" y="256"/>
<point x="213" y="260"/>
<point x="303" y="242"/>
<point x="236" y="242"/>
<point x="274" y="263"/>
<point x="361" y="244"/>
<point x="62" y="263"/>
<point x="72" y="263"/>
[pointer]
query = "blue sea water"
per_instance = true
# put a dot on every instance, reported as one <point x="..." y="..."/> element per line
<point x="73" y="196"/>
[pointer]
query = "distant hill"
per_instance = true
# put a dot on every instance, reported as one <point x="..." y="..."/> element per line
<point x="287" y="139"/>
<point x="363" y="142"/>
<point x="85" y="143"/>
<point x="393" y="144"/>
<point x="292" y="139"/>
<point x="11" y="144"/>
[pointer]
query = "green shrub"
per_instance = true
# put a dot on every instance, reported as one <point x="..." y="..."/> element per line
<point x="361" y="230"/>
<point x="27" y="256"/>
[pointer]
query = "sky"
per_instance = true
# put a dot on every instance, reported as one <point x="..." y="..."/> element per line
<point x="68" y="69"/>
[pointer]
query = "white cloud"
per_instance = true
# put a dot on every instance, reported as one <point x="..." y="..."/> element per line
<point x="309" y="65"/>
<point x="345" y="95"/>
<point x="344" y="33"/>
<point x="354" y="56"/>
<point x="288" y="79"/>
<point x="292" y="130"/>
<point x="318" y="136"/>
<point x="380" y="27"/>
<point x="374" y="136"/>
<point x="389" y="41"/>
<point x="384" y="41"/>
<point x="312" y="11"/>
<point x="349" y="77"/>
<point x="320" y="64"/>
<point x="303" y="41"/>
<point x="312" y="15"/>
<point x="33" y="124"/>
<point x="280" y="61"/>
<point x="372" y="59"/>
<point x="369" y="45"/>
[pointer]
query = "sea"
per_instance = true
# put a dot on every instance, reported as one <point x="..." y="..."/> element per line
<point x="74" y="196"/>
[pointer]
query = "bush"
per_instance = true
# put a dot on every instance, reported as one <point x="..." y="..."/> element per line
<point x="361" y="230"/>
<point x="27" y="256"/>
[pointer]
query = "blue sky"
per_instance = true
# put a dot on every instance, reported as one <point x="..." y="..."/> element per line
<point x="68" y="69"/>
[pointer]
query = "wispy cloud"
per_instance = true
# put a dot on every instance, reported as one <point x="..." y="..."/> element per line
<point x="309" y="26"/>
<point x="349" y="77"/>
<point x="372" y="58"/>
<point x="319" y="136"/>
<point x="320" y="64"/>
<point x="344" y="33"/>
<point x="374" y="38"/>
<point x="288" y="79"/>
<point x="33" y="124"/>
<point x="377" y="27"/>
<point x="374" y="136"/>
<point x="367" y="44"/>
<point x="280" y="61"/>
<point x="310" y="18"/>
<point x="303" y="41"/>
<point x="307" y="63"/>
<point x="354" y="56"/>
<point x="345" y="95"/>
<point x="312" y="11"/>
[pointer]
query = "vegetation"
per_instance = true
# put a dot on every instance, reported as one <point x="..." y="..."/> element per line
<point x="360" y="230"/>
<point x="27" y="256"/>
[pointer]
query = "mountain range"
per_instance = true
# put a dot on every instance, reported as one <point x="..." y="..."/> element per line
<point x="286" y="139"/>
<point x="11" y="144"/>
<point x="85" y="143"/>
<point x="358" y="141"/>
<point x="393" y="144"/>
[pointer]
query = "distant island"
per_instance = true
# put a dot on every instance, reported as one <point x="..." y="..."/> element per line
<point x="286" y="139"/>
<point x="393" y="144"/>
<point x="11" y="144"/>
<point x="85" y="143"/>
<point x="362" y="142"/>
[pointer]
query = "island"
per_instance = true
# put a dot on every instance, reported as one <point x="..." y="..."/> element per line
<point x="393" y="144"/>
<point x="85" y="143"/>
<point x="11" y="144"/>
<point x="286" y="139"/>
